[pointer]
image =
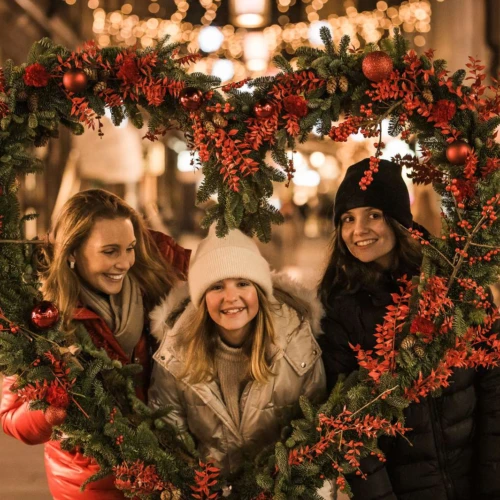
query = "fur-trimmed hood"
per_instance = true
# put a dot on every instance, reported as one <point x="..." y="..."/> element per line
<point x="174" y="304"/>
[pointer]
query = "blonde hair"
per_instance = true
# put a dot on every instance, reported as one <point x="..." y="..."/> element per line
<point x="200" y="343"/>
<point x="61" y="285"/>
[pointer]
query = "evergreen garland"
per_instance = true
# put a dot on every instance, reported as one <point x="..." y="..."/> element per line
<point x="440" y="320"/>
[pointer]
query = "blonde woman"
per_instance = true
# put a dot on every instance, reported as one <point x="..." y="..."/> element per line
<point x="104" y="269"/>
<point x="238" y="351"/>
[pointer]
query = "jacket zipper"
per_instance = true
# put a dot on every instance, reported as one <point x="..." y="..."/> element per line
<point x="439" y="442"/>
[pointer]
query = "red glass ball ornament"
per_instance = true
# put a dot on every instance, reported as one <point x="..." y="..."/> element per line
<point x="55" y="415"/>
<point x="377" y="66"/>
<point x="75" y="80"/>
<point x="456" y="152"/>
<point x="191" y="98"/>
<point x="264" y="109"/>
<point x="45" y="315"/>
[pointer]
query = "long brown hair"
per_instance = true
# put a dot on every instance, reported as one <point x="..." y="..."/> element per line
<point x="346" y="273"/>
<point x="74" y="224"/>
<point x="200" y="343"/>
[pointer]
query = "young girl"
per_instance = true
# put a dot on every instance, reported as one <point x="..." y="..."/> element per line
<point x="103" y="269"/>
<point x="452" y="451"/>
<point x="236" y="357"/>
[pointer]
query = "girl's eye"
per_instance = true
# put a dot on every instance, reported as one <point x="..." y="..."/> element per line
<point x="243" y="283"/>
<point x="215" y="287"/>
<point x="375" y="215"/>
<point x="346" y="219"/>
<point x="131" y="249"/>
<point x="109" y="252"/>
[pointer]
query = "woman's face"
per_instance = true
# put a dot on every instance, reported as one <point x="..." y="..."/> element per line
<point x="106" y="256"/>
<point x="233" y="304"/>
<point x="368" y="236"/>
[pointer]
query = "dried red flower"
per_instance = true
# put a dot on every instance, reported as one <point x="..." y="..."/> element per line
<point x="423" y="327"/>
<point x="35" y="75"/>
<point x="443" y="111"/>
<point x="129" y="72"/>
<point x="57" y="396"/>
<point x="296" y="105"/>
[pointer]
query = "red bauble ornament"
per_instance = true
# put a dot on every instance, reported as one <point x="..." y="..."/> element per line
<point x="377" y="66"/>
<point x="191" y="98"/>
<point x="456" y="152"/>
<point x="264" y="109"/>
<point x="55" y="415"/>
<point x="45" y="315"/>
<point x="75" y="80"/>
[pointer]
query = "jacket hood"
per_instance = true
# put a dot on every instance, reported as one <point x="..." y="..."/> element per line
<point x="164" y="315"/>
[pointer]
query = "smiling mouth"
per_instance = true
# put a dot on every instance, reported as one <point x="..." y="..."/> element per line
<point x="115" y="277"/>
<point x="230" y="312"/>
<point x="364" y="243"/>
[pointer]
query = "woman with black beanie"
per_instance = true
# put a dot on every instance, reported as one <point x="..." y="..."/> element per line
<point x="453" y="449"/>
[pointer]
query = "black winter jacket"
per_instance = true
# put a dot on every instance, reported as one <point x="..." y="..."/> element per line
<point x="455" y="437"/>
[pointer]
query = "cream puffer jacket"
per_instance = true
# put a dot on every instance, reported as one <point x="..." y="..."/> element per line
<point x="265" y="408"/>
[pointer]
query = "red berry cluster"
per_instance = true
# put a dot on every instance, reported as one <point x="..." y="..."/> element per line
<point x="489" y="209"/>
<point x="112" y="415"/>
<point x="342" y="132"/>
<point x="119" y="440"/>
<point x="219" y="109"/>
<point x="367" y="179"/>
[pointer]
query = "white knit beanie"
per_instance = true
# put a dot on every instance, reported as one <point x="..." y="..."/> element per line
<point x="234" y="256"/>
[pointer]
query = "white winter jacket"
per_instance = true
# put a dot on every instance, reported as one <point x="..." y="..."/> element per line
<point x="265" y="408"/>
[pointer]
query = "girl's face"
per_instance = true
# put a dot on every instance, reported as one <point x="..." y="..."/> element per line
<point x="368" y="236"/>
<point x="233" y="304"/>
<point x="106" y="256"/>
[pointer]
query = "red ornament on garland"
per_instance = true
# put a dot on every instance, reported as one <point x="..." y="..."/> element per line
<point x="191" y="98"/>
<point x="75" y="80"/>
<point x="264" y="109"/>
<point x="377" y="66"/>
<point x="45" y="315"/>
<point x="457" y="152"/>
<point x="55" y="415"/>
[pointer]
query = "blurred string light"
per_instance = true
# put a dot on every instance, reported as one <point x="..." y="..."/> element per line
<point x="123" y="27"/>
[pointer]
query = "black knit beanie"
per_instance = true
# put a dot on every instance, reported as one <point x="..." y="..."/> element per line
<point x="387" y="192"/>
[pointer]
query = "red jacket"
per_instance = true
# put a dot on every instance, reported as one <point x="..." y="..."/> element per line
<point x="66" y="471"/>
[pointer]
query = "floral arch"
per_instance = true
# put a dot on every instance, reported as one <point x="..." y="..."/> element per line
<point x="440" y="320"/>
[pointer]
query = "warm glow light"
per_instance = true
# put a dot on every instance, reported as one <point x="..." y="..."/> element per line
<point x="223" y="69"/>
<point x="250" y="13"/>
<point x="317" y="159"/>
<point x="210" y="39"/>
<point x="256" y="51"/>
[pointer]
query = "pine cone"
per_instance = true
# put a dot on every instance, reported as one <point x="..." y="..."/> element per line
<point x="219" y="120"/>
<point x="343" y="83"/>
<point x="99" y="87"/>
<point x="427" y="95"/>
<point x="408" y="342"/>
<point x="91" y="73"/>
<point x="173" y="494"/>
<point x="331" y="85"/>
<point x="419" y="351"/>
<point x="104" y="74"/>
<point x="209" y="126"/>
<point x="22" y="96"/>
<point x="33" y="103"/>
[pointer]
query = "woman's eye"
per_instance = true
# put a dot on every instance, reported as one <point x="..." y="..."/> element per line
<point x="243" y="283"/>
<point x="216" y="287"/>
<point x="109" y="252"/>
<point x="375" y="215"/>
<point x="346" y="219"/>
<point x="131" y="249"/>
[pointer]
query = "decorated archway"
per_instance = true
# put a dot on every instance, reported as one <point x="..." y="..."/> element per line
<point x="439" y="320"/>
